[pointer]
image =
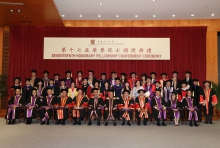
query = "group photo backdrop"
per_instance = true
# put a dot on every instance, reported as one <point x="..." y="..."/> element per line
<point x="187" y="51"/>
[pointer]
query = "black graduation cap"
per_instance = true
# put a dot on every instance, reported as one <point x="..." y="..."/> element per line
<point x="158" y="90"/>
<point x="28" y="79"/>
<point x="144" y="74"/>
<point x="175" y="72"/>
<point x="79" y="89"/>
<point x="133" y="73"/>
<point x="157" y="82"/>
<point x="174" y="93"/>
<point x="207" y="82"/>
<point x="34" y="71"/>
<point x="51" y="80"/>
<point x="64" y="90"/>
<point x="79" y="72"/>
<point x="103" y="74"/>
<point x="45" y="71"/>
<point x="84" y="79"/>
<point x="183" y="82"/>
<point x="56" y="74"/>
<point x="17" y="78"/>
<point x="117" y="79"/>
<point x="33" y="89"/>
<point x="68" y="71"/>
<point x="123" y="74"/>
<point x="62" y="80"/>
<point x="141" y="90"/>
<point x="188" y="72"/>
<point x="17" y="87"/>
<point x="94" y="89"/>
<point x="195" y="80"/>
<point x="111" y="90"/>
<point x="163" y="74"/>
<point x="153" y="73"/>
<point x="167" y="81"/>
<point x="126" y="91"/>
<point x="91" y="71"/>
<point x="49" y="88"/>
<point x="113" y="72"/>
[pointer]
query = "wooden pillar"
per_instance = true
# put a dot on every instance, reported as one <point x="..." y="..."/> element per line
<point x="1" y="53"/>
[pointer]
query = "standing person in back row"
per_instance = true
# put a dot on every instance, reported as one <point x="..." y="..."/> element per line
<point x="132" y="80"/>
<point x="68" y="80"/>
<point x="175" y="82"/>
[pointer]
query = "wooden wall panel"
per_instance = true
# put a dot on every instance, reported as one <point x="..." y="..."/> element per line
<point x="211" y="40"/>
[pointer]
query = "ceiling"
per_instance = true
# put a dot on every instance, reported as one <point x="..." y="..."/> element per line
<point x="144" y="9"/>
<point x="32" y="13"/>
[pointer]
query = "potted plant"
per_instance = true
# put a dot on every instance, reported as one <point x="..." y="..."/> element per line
<point x="3" y="87"/>
<point x="216" y="87"/>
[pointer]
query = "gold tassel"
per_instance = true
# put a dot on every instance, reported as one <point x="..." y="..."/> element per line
<point x="71" y="74"/>
<point x="193" y="93"/>
<point x="198" y="83"/>
<point x="211" y="85"/>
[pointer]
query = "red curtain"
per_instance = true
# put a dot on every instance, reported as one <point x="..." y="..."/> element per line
<point x="187" y="48"/>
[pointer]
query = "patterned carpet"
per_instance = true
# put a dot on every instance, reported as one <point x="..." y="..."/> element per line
<point x="57" y="136"/>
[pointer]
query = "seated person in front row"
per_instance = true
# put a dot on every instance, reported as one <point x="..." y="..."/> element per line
<point x="80" y="102"/>
<point x="31" y="105"/>
<point x="61" y="108"/>
<point x="142" y="106"/>
<point x="159" y="108"/>
<point x="95" y="104"/>
<point x="110" y="105"/>
<point x="190" y="104"/>
<point x="14" y="105"/>
<point x="175" y="106"/>
<point x="46" y="106"/>
<point x="126" y="103"/>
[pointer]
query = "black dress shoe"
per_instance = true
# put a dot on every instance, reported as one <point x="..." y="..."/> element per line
<point x="123" y="123"/>
<point x="163" y="124"/>
<point x="138" y="123"/>
<point x="58" y="122"/>
<point x="158" y="124"/>
<point x="47" y="122"/>
<point x="106" y="123"/>
<point x="190" y="124"/>
<point x="206" y="122"/>
<point x="114" y="123"/>
<point x="79" y="123"/>
<point x="210" y="123"/>
<point x="63" y="122"/>
<point x="75" y="123"/>
<point x="98" y="123"/>
<point x="9" y="122"/>
<point x="90" y="123"/>
<point x="13" y="121"/>
<point x="128" y="123"/>
<point x="195" y="123"/>
<point x="42" y="123"/>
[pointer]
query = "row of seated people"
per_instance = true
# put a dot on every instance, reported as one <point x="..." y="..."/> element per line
<point x="111" y="107"/>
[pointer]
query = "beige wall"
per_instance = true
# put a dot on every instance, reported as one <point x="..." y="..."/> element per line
<point x="211" y="40"/>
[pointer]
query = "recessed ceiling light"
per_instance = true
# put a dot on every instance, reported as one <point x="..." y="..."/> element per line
<point x="154" y="15"/>
<point x="80" y="16"/>
<point x="136" y="15"/>
<point x="117" y="15"/>
<point x="19" y="10"/>
<point x="173" y="15"/>
<point x="63" y="15"/>
<point x="11" y="10"/>
<point x="192" y="14"/>
<point x="99" y="15"/>
<point x="212" y="14"/>
<point x="153" y="0"/>
<point x="100" y="4"/>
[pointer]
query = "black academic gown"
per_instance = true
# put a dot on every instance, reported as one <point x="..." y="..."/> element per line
<point x="137" y="113"/>
<point x="34" y="110"/>
<point x="197" y="91"/>
<point x="65" y="110"/>
<point x="82" y="111"/>
<point x="189" y="82"/>
<point x="97" y="108"/>
<point x="44" y="102"/>
<point x="108" y="109"/>
<point x="154" y="103"/>
<point x="36" y="82"/>
<point x="185" y="105"/>
<point x="17" y="109"/>
<point x="121" y="102"/>
<point x="26" y="92"/>
<point x="178" y="85"/>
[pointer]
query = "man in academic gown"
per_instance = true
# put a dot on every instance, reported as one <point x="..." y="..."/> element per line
<point x="112" y="79"/>
<point x="57" y="80"/>
<point x="208" y="99"/>
<point x="117" y="88"/>
<point x="34" y="80"/>
<point x="26" y="90"/>
<point x="79" y="102"/>
<point x="94" y="107"/>
<point x="102" y="82"/>
<point x="142" y="107"/>
<point x="153" y="77"/>
<point x="175" y="82"/>
<point x="91" y="77"/>
<point x="79" y="79"/>
<point x="188" y="80"/>
<point x="126" y="105"/>
<point x="163" y="79"/>
<point x="196" y="92"/>
<point x="68" y="80"/>
<point x="53" y="88"/>
<point x="46" y="106"/>
<point x="159" y="108"/>
<point x="61" y="107"/>
<point x="14" y="106"/>
<point x="132" y="80"/>
<point x="110" y="105"/>
<point x="167" y="91"/>
<point x="17" y="83"/>
<point x="45" y="78"/>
